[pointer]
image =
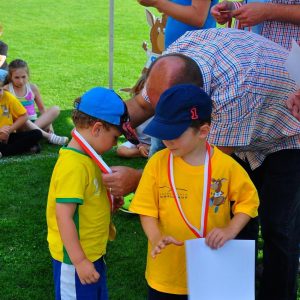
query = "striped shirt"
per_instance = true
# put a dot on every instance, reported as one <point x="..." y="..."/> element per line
<point x="245" y="76"/>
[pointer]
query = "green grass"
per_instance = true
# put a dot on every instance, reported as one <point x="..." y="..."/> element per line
<point x="66" y="46"/>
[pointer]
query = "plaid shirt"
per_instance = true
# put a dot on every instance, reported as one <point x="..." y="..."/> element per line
<point x="245" y="76"/>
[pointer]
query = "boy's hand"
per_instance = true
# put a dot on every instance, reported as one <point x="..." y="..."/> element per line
<point x="143" y="149"/>
<point x="218" y="237"/>
<point x="162" y="243"/>
<point x="86" y="272"/>
<point x="4" y="133"/>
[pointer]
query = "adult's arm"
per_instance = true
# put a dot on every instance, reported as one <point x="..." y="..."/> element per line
<point x="139" y="110"/>
<point x="194" y="14"/>
<point x="254" y="13"/>
<point x="122" y="181"/>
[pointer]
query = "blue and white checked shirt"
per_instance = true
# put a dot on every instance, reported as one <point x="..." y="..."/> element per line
<point x="245" y="76"/>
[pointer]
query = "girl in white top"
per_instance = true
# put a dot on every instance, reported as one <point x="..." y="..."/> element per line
<point x="29" y="96"/>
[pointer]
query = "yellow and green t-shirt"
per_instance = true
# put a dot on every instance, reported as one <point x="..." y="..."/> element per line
<point x="10" y="109"/>
<point x="77" y="179"/>
<point x="231" y="191"/>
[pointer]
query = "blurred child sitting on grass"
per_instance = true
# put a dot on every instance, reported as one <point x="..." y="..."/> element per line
<point x="29" y="95"/>
<point x="12" y="117"/>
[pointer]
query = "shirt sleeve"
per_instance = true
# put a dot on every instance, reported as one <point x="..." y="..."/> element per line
<point x="70" y="185"/>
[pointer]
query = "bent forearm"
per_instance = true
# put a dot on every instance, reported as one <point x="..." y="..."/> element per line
<point x="237" y="223"/>
<point x="18" y="123"/>
<point x="151" y="229"/>
<point x="194" y="14"/>
<point x="139" y="110"/>
<point x="284" y="13"/>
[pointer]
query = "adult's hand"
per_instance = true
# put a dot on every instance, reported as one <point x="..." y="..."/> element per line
<point x="221" y="12"/>
<point x="122" y="181"/>
<point x="252" y="14"/>
<point x="293" y="104"/>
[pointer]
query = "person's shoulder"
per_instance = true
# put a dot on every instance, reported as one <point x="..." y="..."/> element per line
<point x="34" y="87"/>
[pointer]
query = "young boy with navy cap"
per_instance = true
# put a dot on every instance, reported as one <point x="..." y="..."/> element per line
<point x="186" y="190"/>
<point x="79" y="207"/>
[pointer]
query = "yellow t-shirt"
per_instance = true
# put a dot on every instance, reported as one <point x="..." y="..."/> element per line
<point x="10" y="109"/>
<point x="77" y="179"/>
<point x="230" y="182"/>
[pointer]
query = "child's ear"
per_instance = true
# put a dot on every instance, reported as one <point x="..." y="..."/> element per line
<point x="96" y="128"/>
<point x="204" y="130"/>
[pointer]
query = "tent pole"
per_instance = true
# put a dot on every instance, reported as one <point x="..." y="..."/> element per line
<point x="111" y="43"/>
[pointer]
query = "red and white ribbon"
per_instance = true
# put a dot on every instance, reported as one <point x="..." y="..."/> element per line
<point x="205" y="196"/>
<point x="96" y="158"/>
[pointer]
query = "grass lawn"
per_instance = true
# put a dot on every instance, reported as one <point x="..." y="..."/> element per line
<point x="65" y="44"/>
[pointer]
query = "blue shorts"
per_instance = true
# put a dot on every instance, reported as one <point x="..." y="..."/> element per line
<point x="68" y="286"/>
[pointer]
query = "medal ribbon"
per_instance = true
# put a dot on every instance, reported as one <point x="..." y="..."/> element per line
<point x="96" y="158"/>
<point x="199" y="233"/>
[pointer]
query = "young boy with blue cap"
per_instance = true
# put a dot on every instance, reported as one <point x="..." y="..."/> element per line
<point x="79" y="207"/>
<point x="189" y="190"/>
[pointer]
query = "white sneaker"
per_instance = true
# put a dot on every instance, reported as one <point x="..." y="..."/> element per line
<point x="58" y="140"/>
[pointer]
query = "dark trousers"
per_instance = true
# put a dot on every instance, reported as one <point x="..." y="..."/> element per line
<point x="278" y="183"/>
<point x="20" y="142"/>
<point x="156" y="295"/>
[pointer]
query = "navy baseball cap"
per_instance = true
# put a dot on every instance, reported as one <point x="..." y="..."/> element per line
<point x="106" y="105"/>
<point x="176" y="109"/>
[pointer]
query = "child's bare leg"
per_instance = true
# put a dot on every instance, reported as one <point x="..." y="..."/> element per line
<point x="123" y="151"/>
<point x="51" y="137"/>
<point x="45" y="120"/>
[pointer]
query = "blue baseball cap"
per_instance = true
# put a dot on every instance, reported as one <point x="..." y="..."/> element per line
<point x="106" y="105"/>
<point x="103" y="104"/>
<point x="176" y="109"/>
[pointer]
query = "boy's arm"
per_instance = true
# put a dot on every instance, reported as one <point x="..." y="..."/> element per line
<point x="69" y="235"/>
<point x="156" y="239"/>
<point x="217" y="237"/>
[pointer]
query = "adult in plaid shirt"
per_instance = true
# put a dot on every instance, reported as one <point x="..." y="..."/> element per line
<point x="245" y="76"/>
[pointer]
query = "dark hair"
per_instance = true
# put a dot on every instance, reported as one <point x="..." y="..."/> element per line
<point x="198" y="123"/>
<point x="189" y="73"/>
<point x="14" y="65"/>
<point x="83" y="120"/>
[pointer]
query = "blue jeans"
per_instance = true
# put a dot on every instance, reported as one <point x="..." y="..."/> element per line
<point x="278" y="183"/>
<point x="3" y="75"/>
<point x="156" y="145"/>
